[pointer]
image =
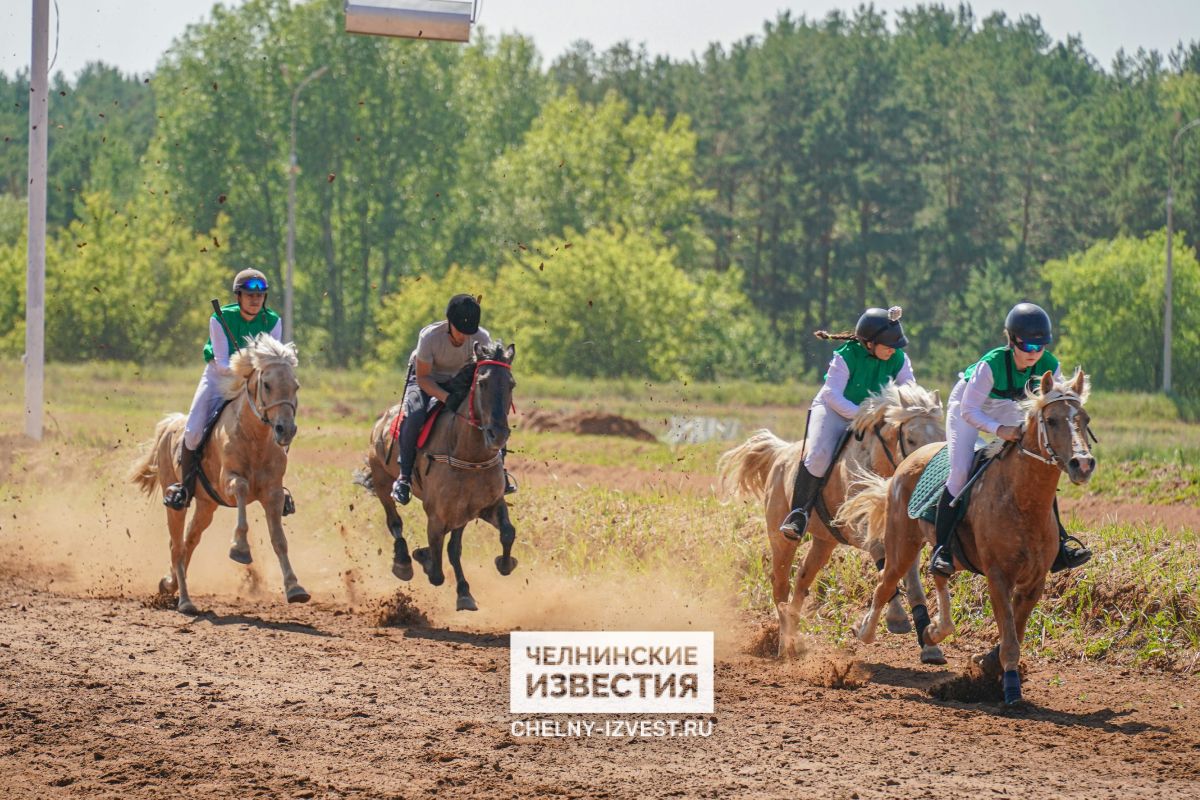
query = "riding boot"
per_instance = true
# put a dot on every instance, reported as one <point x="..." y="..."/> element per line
<point x="410" y="431"/>
<point x="942" y="562"/>
<point x="289" y="503"/>
<point x="1071" y="552"/>
<point x="804" y="494"/>
<point x="178" y="496"/>
<point x="510" y="486"/>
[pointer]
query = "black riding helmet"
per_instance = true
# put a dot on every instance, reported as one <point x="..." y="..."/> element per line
<point x="1030" y="324"/>
<point x="463" y="313"/>
<point x="881" y="326"/>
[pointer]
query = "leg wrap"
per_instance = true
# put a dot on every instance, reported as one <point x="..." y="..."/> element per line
<point x="1012" y="686"/>
<point x="920" y="616"/>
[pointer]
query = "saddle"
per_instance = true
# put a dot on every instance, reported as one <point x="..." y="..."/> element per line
<point x="209" y="427"/>
<point x="924" y="500"/>
<point x="426" y="429"/>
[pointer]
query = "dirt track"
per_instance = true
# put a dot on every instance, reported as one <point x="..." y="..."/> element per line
<point x="107" y="697"/>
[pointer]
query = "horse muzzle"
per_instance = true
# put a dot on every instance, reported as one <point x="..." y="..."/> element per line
<point x="1080" y="468"/>
<point x="495" y="437"/>
<point x="284" y="431"/>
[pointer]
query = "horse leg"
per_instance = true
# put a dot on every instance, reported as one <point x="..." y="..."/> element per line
<point x="902" y="553"/>
<point x="896" y="619"/>
<point x="1010" y="643"/>
<point x="294" y="592"/>
<point x="497" y="517"/>
<point x="239" y="551"/>
<point x="930" y="653"/>
<point x="454" y="550"/>
<point x="381" y="484"/>
<point x="171" y="583"/>
<point x="430" y="558"/>
<point x="943" y="626"/>
<point x="200" y="521"/>
<point x="789" y="613"/>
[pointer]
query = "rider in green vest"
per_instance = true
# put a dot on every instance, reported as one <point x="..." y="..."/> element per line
<point x="871" y="357"/>
<point x="246" y="318"/>
<point x="986" y="399"/>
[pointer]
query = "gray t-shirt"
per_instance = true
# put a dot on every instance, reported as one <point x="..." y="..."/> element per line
<point x="435" y="347"/>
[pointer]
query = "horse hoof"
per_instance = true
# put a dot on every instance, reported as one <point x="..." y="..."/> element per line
<point x="505" y="566"/>
<point x="240" y="556"/>
<point x="187" y="607"/>
<point x="166" y="587"/>
<point x="421" y="556"/>
<point x="296" y="594"/>
<point x="901" y="625"/>
<point x="932" y="654"/>
<point x="402" y="570"/>
<point x="437" y="580"/>
<point x="466" y="603"/>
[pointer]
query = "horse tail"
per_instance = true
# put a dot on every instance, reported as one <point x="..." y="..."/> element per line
<point x="143" y="473"/>
<point x="865" y="508"/>
<point x="744" y="469"/>
<point x="362" y="476"/>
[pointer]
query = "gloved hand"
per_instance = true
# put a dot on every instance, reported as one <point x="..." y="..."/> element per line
<point x="455" y="399"/>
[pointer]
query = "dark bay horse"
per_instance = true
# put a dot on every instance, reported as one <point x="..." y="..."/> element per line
<point x="245" y="460"/>
<point x="1009" y="532"/>
<point x="458" y="476"/>
<point x="888" y="426"/>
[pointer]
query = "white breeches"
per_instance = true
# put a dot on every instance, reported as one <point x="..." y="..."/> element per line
<point x="205" y="403"/>
<point x="963" y="438"/>
<point x="825" y="427"/>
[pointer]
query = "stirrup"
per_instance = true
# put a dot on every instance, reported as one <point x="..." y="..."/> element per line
<point x="795" y="523"/>
<point x="1070" y="557"/>
<point x="510" y="486"/>
<point x="402" y="491"/>
<point x="289" y="505"/>
<point x="940" y="564"/>
<point x="177" y="497"/>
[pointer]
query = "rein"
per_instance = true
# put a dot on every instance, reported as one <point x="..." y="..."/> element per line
<point x="254" y="406"/>
<point x="469" y="418"/>
<point x="899" y="440"/>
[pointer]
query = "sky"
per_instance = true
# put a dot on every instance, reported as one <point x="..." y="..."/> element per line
<point x="133" y="34"/>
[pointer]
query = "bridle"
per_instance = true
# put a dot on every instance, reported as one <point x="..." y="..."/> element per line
<point x="470" y="419"/>
<point x="255" y="401"/>
<point x="899" y="440"/>
<point x="1054" y="460"/>
<point x="471" y="416"/>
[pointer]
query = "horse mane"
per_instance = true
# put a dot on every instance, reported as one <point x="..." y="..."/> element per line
<point x="895" y="403"/>
<point x="1034" y="401"/>
<point x="493" y="351"/>
<point x="263" y="351"/>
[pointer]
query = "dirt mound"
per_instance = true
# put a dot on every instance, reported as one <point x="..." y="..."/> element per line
<point x="591" y="423"/>
<point x="399" y="611"/>
<point x="979" y="683"/>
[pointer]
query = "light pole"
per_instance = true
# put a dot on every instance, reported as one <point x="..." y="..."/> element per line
<point x="35" y="271"/>
<point x="1170" y="267"/>
<point x="291" y="222"/>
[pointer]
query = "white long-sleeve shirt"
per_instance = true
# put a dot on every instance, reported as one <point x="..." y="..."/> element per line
<point x="979" y="408"/>
<point x="220" y="342"/>
<point x="833" y="393"/>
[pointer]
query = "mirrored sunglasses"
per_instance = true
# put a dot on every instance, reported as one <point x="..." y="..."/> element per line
<point x="254" y="285"/>
<point x="1029" y="347"/>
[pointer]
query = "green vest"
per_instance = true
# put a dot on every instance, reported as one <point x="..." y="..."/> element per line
<point x="242" y="331"/>
<point x="1008" y="381"/>
<point x="867" y="373"/>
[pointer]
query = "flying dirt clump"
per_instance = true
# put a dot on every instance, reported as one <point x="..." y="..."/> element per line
<point x="398" y="611"/>
<point x="591" y="423"/>
<point x="979" y="683"/>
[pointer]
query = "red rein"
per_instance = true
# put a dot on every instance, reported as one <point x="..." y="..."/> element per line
<point x="471" y="394"/>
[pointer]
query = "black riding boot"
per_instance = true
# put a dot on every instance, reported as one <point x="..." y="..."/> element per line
<point x="1071" y="552"/>
<point x="804" y="494"/>
<point x="178" y="496"/>
<point x="410" y="431"/>
<point x="942" y="562"/>
<point x="510" y="486"/>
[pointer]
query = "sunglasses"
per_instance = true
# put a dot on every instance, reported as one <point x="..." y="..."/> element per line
<point x="254" y="285"/>
<point x="1028" y="347"/>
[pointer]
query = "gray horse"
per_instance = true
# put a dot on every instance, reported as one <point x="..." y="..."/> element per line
<point x="459" y="474"/>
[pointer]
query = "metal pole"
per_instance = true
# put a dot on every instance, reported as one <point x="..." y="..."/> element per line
<point x="35" y="274"/>
<point x="291" y="221"/>
<point x="1168" y="289"/>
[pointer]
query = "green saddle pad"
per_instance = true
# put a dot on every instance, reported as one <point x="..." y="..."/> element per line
<point x="923" y="502"/>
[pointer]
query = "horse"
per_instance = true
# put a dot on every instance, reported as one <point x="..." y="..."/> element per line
<point x="245" y="459"/>
<point x="1008" y="534"/>
<point x="458" y="476"/>
<point x="888" y="426"/>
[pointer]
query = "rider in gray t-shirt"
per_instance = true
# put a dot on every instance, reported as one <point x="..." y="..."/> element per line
<point x="443" y="349"/>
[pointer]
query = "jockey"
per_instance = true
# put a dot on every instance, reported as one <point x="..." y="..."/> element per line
<point x="870" y="358"/>
<point x="245" y="318"/>
<point x="443" y="348"/>
<point x="986" y="399"/>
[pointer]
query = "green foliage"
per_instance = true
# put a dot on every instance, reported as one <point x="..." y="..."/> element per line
<point x="1110" y="298"/>
<point x="419" y="301"/>
<point x="976" y="320"/>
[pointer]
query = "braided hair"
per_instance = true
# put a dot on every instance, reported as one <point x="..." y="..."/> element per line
<point x="844" y="336"/>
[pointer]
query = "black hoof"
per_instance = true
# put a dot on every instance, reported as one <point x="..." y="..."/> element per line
<point x="240" y="556"/>
<point x="466" y="603"/>
<point x="402" y="570"/>
<point x="421" y="556"/>
<point x="505" y="566"/>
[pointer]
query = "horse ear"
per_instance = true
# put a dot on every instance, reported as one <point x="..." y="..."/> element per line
<point x="1079" y="383"/>
<point x="1047" y="382"/>
<point x="510" y="353"/>
<point x="480" y="351"/>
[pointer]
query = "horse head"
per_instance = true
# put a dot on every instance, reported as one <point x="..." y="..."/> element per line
<point x="491" y="392"/>
<point x="266" y="370"/>
<point x="897" y="421"/>
<point x="1055" y="415"/>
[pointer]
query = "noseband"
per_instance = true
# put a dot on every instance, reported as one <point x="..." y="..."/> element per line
<point x="1054" y="460"/>
<point x="255" y="402"/>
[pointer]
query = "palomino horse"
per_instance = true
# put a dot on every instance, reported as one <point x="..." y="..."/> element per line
<point x="888" y="427"/>
<point x="1009" y="532"/>
<point x="245" y="459"/>
<point x="458" y="475"/>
